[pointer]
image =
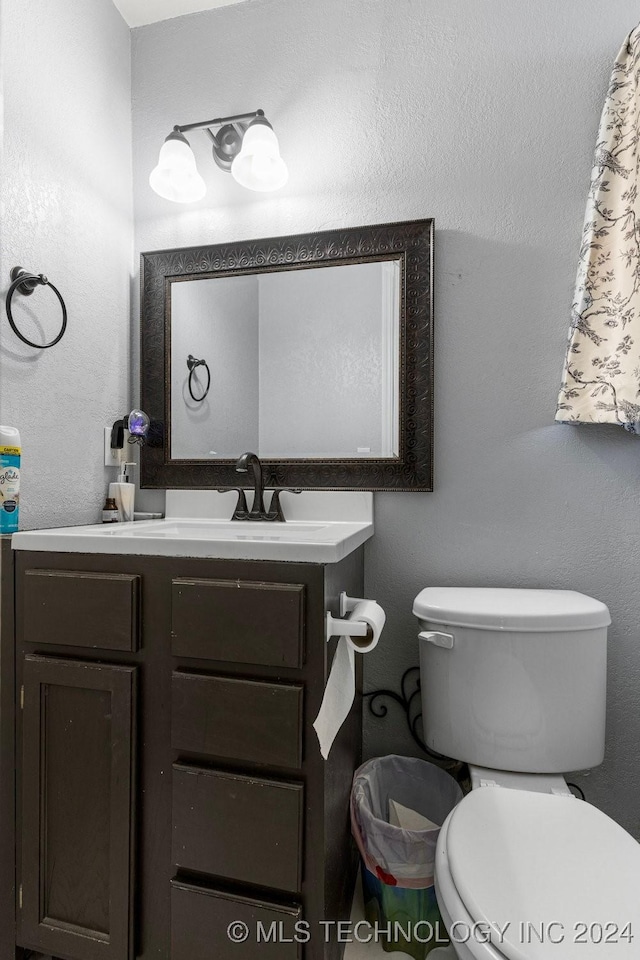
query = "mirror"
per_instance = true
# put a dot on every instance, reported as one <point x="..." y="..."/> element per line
<point x="299" y="363"/>
<point x="313" y="351"/>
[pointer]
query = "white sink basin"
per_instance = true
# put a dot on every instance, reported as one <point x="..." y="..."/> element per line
<point x="297" y="541"/>
<point x="213" y="530"/>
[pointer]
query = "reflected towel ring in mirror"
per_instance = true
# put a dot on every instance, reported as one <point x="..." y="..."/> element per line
<point x="25" y="283"/>
<point x="192" y="363"/>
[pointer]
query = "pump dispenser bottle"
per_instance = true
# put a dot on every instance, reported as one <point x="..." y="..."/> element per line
<point x="124" y="492"/>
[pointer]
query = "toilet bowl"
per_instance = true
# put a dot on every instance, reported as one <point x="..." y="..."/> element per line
<point x="525" y="876"/>
<point x="513" y="682"/>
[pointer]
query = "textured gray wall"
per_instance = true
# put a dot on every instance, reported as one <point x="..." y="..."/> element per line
<point x="66" y="212"/>
<point x="482" y="114"/>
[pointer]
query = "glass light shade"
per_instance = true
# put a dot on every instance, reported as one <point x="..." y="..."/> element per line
<point x="259" y="165"/>
<point x="138" y="423"/>
<point x="176" y="177"/>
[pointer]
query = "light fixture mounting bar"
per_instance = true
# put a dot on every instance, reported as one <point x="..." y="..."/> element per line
<point x="219" y="121"/>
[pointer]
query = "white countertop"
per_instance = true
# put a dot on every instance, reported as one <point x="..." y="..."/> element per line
<point x="319" y="541"/>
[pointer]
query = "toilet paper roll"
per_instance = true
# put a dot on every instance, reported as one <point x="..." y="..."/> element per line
<point x="340" y="690"/>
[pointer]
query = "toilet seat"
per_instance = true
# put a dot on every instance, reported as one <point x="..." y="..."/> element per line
<point x="555" y="864"/>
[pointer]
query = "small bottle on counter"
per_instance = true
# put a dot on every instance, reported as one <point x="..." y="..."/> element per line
<point x="110" y="513"/>
<point x="124" y="491"/>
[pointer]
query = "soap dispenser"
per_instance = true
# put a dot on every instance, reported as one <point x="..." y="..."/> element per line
<point x="124" y="492"/>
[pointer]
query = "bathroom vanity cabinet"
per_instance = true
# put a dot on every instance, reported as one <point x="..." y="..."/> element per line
<point x="168" y="781"/>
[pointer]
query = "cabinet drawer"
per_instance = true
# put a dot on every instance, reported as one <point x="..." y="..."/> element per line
<point x="239" y="827"/>
<point x="240" y="719"/>
<point x="78" y="609"/>
<point x="243" y="622"/>
<point x="200" y="919"/>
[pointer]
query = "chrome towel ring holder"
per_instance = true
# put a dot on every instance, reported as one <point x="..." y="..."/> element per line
<point x="25" y="283"/>
<point x="193" y="364"/>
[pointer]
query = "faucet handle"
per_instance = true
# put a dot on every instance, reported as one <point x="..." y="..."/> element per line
<point x="241" y="511"/>
<point x="275" y="507"/>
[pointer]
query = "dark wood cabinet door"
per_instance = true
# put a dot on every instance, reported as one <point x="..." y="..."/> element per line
<point x="78" y="746"/>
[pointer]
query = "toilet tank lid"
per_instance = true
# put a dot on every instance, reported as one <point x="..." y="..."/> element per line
<point x="497" y="608"/>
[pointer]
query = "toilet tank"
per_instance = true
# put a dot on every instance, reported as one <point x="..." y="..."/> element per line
<point x="513" y="679"/>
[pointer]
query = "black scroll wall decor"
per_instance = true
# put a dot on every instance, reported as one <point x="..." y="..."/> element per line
<point x="409" y="700"/>
<point x="193" y="365"/>
<point x="25" y="283"/>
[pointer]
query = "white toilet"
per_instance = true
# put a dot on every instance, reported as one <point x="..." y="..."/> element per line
<point x="514" y="683"/>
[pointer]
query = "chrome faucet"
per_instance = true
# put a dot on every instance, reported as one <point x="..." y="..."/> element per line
<point x="250" y="462"/>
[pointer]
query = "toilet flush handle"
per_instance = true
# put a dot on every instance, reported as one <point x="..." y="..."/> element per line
<point x="438" y="639"/>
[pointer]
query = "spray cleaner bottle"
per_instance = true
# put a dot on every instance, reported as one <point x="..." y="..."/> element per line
<point x="9" y="479"/>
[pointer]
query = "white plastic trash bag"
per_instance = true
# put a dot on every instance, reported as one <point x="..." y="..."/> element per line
<point x="400" y="857"/>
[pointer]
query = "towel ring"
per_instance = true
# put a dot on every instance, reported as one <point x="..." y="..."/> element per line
<point x="25" y="283"/>
<point x="192" y="363"/>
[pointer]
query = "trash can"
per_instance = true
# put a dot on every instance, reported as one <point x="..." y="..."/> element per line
<point x="398" y="805"/>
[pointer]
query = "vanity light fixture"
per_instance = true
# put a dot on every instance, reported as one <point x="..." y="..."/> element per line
<point x="243" y="145"/>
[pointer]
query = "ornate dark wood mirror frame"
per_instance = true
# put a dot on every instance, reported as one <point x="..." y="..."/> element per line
<point x="411" y="243"/>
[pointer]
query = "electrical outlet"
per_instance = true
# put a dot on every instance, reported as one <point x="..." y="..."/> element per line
<point x="112" y="458"/>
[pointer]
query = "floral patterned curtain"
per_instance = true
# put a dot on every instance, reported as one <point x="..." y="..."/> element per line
<point x="601" y="380"/>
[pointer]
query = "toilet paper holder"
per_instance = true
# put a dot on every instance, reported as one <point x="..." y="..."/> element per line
<point x="342" y="627"/>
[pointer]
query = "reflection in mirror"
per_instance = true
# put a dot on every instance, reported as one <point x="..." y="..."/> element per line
<point x="304" y="363"/>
